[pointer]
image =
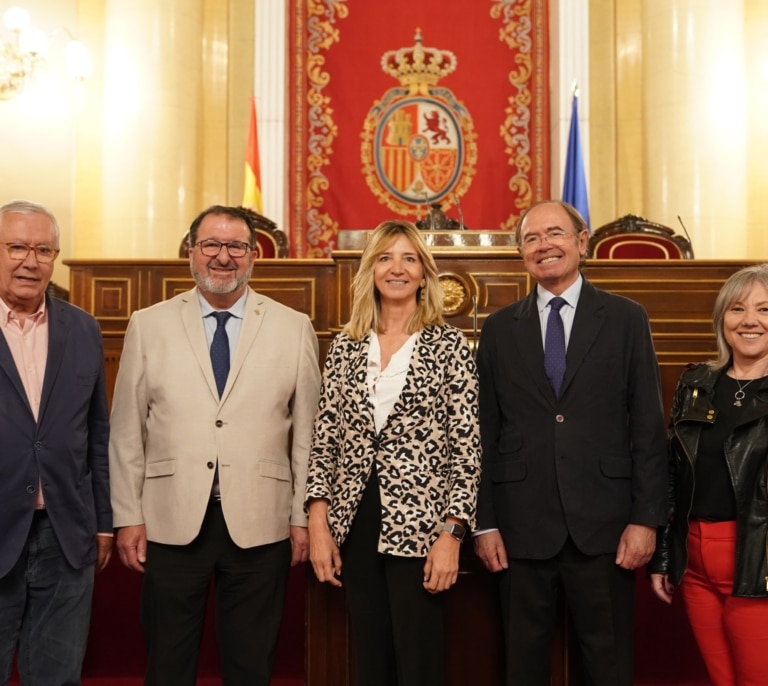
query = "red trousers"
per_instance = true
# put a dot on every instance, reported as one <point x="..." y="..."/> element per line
<point x="732" y="633"/>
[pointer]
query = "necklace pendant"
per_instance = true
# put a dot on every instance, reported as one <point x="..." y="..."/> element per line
<point x="737" y="403"/>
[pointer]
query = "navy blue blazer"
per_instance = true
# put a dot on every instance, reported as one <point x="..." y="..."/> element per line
<point x="585" y="464"/>
<point x="66" y="448"/>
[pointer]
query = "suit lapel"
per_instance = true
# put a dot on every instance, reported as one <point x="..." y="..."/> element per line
<point x="192" y="320"/>
<point x="58" y="332"/>
<point x="356" y="378"/>
<point x="253" y="318"/>
<point x="424" y="358"/>
<point x="530" y="346"/>
<point x="420" y="369"/>
<point x="587" y="323"/>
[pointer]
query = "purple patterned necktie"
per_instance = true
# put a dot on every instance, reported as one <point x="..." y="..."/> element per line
<point x="554" y="345"/>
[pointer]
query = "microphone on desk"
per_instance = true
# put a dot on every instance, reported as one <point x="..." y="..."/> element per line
<point x="686" y="232"/>
<point x="458" y="209"/>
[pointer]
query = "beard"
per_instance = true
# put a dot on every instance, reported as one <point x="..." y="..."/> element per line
<point x="206" y="282"/>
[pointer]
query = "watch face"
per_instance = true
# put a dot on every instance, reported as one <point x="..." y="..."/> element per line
<point x="456" y="530"/>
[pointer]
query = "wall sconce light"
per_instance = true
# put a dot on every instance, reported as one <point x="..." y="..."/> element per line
<point x="27" y="49"/>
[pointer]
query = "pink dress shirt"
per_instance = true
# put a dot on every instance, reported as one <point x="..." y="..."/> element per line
<point x="28" y="343"/>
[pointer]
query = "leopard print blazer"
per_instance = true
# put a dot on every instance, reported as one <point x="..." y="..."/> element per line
<point x="427" y="454"/>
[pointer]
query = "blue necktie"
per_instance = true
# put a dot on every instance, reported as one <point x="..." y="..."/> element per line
<point x="554" y="345"/>
<point x="220" y="350"/>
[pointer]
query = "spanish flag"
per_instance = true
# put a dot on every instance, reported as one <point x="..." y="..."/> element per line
<point x="252" y="188"/>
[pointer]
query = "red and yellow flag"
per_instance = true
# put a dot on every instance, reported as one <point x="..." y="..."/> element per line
<point x="252" y="189"/>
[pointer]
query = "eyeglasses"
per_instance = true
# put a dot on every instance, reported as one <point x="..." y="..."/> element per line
<point x="44" y="254"/>
<point x="554" y="237"/>
<point x="211" y="248"/>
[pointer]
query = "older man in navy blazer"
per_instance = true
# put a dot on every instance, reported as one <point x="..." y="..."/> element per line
<point x="54" y="487"/>
<point x="574" y="456"/>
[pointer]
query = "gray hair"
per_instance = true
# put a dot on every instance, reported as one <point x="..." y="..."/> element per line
<point x="28" y="207"/>
<point x="577" y="221"/>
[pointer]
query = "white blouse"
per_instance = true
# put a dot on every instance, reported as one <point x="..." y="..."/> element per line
<point x="385" y="386"/>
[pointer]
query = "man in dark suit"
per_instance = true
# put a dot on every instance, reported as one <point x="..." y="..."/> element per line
<point x="574" y="465"/>
<point x="54" y="487"/>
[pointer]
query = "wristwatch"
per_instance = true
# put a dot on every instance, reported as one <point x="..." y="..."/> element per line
<point x="456" y="530"/>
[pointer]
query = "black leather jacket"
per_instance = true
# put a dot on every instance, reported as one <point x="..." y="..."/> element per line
<point x="746" y="451"/>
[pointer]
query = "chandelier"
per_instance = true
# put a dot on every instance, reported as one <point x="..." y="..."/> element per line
<point x="27" y="49"/>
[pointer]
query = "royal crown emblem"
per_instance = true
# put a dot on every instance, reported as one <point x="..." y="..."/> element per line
<point x="418" y="140"/>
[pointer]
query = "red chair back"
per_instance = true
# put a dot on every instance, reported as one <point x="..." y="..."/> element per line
<point x="636" y="238"/>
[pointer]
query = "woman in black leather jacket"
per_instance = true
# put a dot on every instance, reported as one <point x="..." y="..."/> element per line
<point x="714" y="547"/>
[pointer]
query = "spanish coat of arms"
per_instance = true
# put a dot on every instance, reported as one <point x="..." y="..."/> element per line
<point x="418" y="142"/>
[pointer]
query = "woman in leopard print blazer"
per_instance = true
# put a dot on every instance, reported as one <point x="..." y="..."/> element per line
<point x="395" y="461"/>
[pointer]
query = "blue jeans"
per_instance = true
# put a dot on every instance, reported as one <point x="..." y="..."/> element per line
<point x="45" y="610"/>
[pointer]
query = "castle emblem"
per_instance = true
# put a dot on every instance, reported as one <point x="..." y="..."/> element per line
<point x="418" y="141"/>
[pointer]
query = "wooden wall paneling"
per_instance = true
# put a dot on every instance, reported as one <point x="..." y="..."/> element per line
<point x="329" y="660"/>
<point x="679" y="300"/>
<point x="113" y="289"/>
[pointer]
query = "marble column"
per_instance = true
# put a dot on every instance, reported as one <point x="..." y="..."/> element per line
<point x="695" y="143"/>
<point x="270" y="89"/>
<point x="148" y="189"/>
<point x="569" y="64"/>
<point x="756" y="71"/>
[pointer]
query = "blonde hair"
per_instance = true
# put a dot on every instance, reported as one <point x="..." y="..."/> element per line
<point x="366" y="303"/>
<point x="731" y="292"/>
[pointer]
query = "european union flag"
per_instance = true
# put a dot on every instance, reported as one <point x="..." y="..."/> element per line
<point x="575" y="183"/>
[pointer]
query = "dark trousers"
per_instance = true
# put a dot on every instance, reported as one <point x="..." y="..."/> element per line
<point x="600" y="597"/>
<point x="397" y="626"/>
<point x="249" y="596"/>
<point x="45" y="611"/>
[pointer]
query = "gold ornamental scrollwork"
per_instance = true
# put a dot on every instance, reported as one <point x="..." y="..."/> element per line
<point x="520" y="24"/>
<point x="321" y="228"/>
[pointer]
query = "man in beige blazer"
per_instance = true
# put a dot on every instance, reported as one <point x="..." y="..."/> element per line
<point x="208" y="469"/>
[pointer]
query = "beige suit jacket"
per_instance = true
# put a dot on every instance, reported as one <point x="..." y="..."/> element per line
<point x="168" y="425"/>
